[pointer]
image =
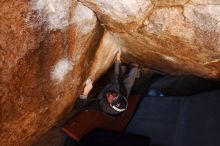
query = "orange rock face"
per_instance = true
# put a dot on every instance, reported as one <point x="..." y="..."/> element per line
<point x="49" y="48"/>
<point x="171" y="36"/>
<point x="42" y="68"/>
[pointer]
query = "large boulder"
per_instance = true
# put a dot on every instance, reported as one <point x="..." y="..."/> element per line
<point x="171" y="36"/>
<point x="50" y="47"/>
<point x="43" y="65"/>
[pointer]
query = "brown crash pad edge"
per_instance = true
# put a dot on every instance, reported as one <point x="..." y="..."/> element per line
<point x="85" y="121"/>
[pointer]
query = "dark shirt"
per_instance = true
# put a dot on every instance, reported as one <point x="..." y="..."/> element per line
<point x="113" y="86"/>
<point x="101" y="102"/>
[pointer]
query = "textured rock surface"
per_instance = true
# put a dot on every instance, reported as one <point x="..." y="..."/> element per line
<point x="120" y="15"/>
<point x="49" y="47"/>
<point x="43" y="69"/>
<point x="170" y="36"/>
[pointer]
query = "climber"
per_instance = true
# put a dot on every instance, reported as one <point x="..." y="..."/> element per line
<point x="113" y="97"/>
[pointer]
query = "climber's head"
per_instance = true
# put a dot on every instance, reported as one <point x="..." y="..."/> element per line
<point x="116" y="101"/>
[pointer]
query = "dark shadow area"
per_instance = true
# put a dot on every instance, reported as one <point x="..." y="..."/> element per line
<point x="99" y="137"/>
<point x="174" y="111"/>
<point x="158" y="85"/>
<point x="183" y="111"/>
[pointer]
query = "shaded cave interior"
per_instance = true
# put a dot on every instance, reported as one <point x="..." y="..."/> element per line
<point x="157" y="91"/>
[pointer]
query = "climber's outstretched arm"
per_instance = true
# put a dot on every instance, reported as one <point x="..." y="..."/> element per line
<point x="87" y="89"/>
